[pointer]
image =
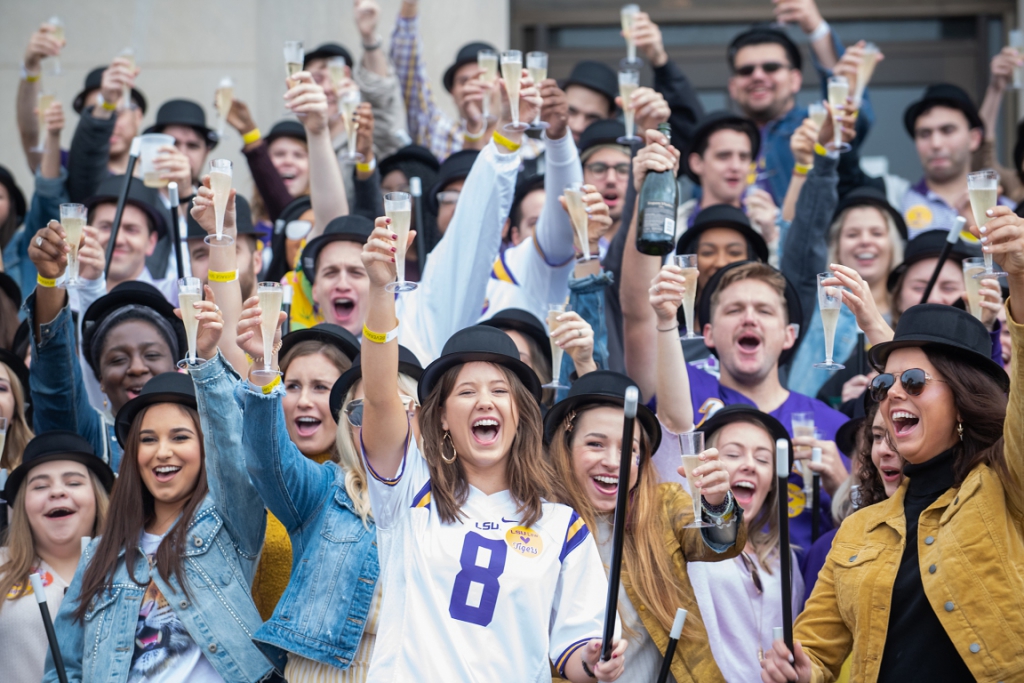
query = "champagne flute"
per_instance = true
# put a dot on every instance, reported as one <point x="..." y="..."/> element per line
<point x="830" y="299"/>
<point x="691" y="445"/>
<point x="983" y="189"/>
<point x="222" y="100"/>
<point x="220" y="183"/>
<point x="1017" y="43"/>
<point x="629" y="81"/>
<point x="973" y="267"/>
<point x="398" y="207"/>
<point x="511" y="72"/>
<point x="348" y="103"/>
<point x="336" y="71"/>
<point x="126" y="94"/>
<point x="688" y="263"/>
<point x="294" y="55"/>
<point x="803" y="425"/>
<point x="271" y="297"/>
<point x="190" y="292"/>
<point x="838" y="91"/>
<point x="555" y="310"/>
<point x="58" y="34"/>
<point x="627" y="15"/>
<point x="537" y="65"/>
<point x="578" y="217"/>
<point x="42" y="104"/>
<point x="488" y="61"/>
<point x="865" y="70"/>
<point x="72" y="219"/>
<point x="817" y="113"/>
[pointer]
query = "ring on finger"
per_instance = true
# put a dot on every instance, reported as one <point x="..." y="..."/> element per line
<point x="39" y="241"/>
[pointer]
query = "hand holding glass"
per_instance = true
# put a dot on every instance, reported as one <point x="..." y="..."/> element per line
<point x="511" y="72"/>
<point x="537" y="65"/>
<point x="488" y="61"/>
<point x="220" y="183"/>
<point x="691" y="445"/>
<point x="578" y="217"/>
<point x="271" y="297"/>
<point x="72" y="219"/>
<point x="190" y="292"/>
<point x="555" y="310"/>
<point x="629" y="81"/>
<point x="688" y="264"/>
<point x="398" y="207"/>
<point x="830" y="300"/>
<point x="838" y="91"/>
<point x="983" y="189"/>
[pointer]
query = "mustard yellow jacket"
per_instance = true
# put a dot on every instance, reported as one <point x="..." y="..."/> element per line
<point x="971" y="550"/>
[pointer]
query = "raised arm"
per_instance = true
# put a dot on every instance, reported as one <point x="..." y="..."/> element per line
<point x="805" y="14"/>
<point x="367" y="200"/>
<point x="675" y="404"/>
<point x="42" y="44"/>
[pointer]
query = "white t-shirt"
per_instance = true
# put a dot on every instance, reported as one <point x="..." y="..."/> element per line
<point x="483" y="599"/>
<point x="23" y="642"/>
<point x="164" y="650"/>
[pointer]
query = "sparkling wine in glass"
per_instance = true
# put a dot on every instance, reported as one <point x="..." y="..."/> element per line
<point x="190" y="292"/>
<point x="126" y="93"/>
<point x="574" y="194"/>
<point x="537" y="65"/>
<point x="1017" y="43"/>
<point x="398" y="207"/>
<point x="511" y="72"/>
<point x="803" y="425"/>
<point x="973" y="267"/>
<point x="691" y="445"/>
<point x="688" y="264"/>
<point x="488" y="61"/>
<point x="58" y="34"/>
<point x="271" y="297"/>
<point x="629" y="81"/>
<point x="336" y="71"/>
<point x="348" y="102"/>
<point x="555" y="310"/>
<point x="817" y="113"/>
<point x="42" y="104"/>
<point x="830" y="299"/>
<point x="627" y="14"/>
<point x="838" y="91"/>
<point x="294" y="55"/>
<point x="220" y="183"/>
<point x="222" y="99"/>
<point x="983" y="189"/>
<point x="865" y="70"/>
<point x="72" y="219"/>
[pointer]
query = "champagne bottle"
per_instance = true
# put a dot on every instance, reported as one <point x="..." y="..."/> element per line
<point x="658" y="201"/>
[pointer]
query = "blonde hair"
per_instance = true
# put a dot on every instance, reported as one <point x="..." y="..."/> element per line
<point x="311" y="347"/>
<point x="21" y="547"/>
<point x="752" y="271"/>
<point x="19" y="433"/>
<point x="894" y="236"/>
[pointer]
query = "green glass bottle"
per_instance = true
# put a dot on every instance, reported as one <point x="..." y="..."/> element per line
<point x="658" y="201"/>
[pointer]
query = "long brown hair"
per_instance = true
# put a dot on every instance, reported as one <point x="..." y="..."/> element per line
<point x="19" y="433"/>
<point x="527" y="471"/>
<point x="870" y="490"/>
<point x="131" y="510"/>
<point x="644" y="555"/>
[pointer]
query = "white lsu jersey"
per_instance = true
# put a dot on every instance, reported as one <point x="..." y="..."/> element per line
<point x="483" y="599"/>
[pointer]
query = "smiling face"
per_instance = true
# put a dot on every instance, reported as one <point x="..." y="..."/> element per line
<point x="170" y="454"/>
<point x="291" y="159"/>
<point x="748" y="453"/>
<point x="134" y="352"/>
<point x="948" y="289"/>
<point x="481" y="415"/>
<point x="611" y="184"/>
<point x="341" y="287"/>
<point x="60" y="503"/>
<point x="723" y="167"/>
<point x="135" y="241"/>
<point x="7" y="406"/>
<point x="307" y="410"/>
<point x="717" y="248"/>
<point x="764" y="96"/>
<point x="864" y="243"/>
<point x="596" y="449"/>
<point x="749" y="330"/>
<point x="887" y="461"/>
<point x="945" y="142"/>
<point x="922" y="426"/>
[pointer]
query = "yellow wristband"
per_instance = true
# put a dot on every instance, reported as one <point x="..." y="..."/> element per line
<point x="364" y="168"/>
<point x="802" y="169"/>
<point x="270" y="387"/>
<point x="820" y="150"/>
<point x="505" y="142"/>
<point x="109" y="106"/>
<point x="49" y="283"/>
<point x="380" y="337"/>
<point x="30" y="78"/>
<point x="252" y="136"/>
<point x="222" y="275"/>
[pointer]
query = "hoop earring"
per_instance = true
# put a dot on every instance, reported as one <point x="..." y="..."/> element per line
<point x="960" y="430"/>
<point x="448" y="437"/>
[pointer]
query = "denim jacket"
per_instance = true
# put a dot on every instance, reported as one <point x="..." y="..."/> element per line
<point x="45" y="206"/>
<point x="335" y="566"/>
<point x="225" y="538"/>
<point x="586" y="297"/>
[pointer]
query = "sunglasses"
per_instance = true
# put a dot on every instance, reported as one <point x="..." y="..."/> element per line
<point x="354" y="409"/>
<point x="599" y="168"/>
<point x="913" y="381"/>
<point x="767" y="67"/>
<point x="448" y="197"/>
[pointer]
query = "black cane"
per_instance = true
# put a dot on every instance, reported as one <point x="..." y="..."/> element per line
<point x="133" y="156"/>
<point x="861" y="364"/>
<point x="44" y="609"/>
<point x="782" y="468"/>
<point x="286" y="305"/>
<point x="416" y="190"/>
<point x="670" y="649"/>
<point x="619" y="523"/>
<point x="815" y="497"/>
<point x="172" y="192"/>
<point x="951" y="238"/>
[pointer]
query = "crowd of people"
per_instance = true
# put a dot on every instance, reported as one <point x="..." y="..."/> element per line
<point x="413" y="470"/>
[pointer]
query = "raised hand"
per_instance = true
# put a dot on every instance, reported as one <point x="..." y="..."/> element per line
<point x="54" y="118"/>
<point x="657" y="156"/>
<point x="803" y="13"/>
<point x="848" y="122"/>
<point x="1002" y="67"/>
<point x="211" y="325"/>
<point x="1003" y="237"/>
<point x="472" y="102"/>
<point x="858" y="298"/>
<point x="831" y="468"/>
<point x="364" y="131"/>
<point x="203" y="213"/>
<point x="308" y="101"/>
<point x="599" y="221"/>
<point x="91" y="256"/>
<point x="529" y="104"/>
<point x="647" y="37"/>
<point x="650" y="107"/>
<point x="711" y="478"/>
<point x="554" y="108"/>
<point x="763" y="214"/>
<point x="367" y="14"/>
<point x="801" y="142"/>
<point x="991" y="302"/>
<point x="120" y="74"/>
<point x="173" y="166"/>
<point x="666" y="294"/>
<point x="575" y="336"/>
<point x="42" y="44"/>
<point x="48" y="251"/>
<point x="379" y="253"/>
<point x="240" y="118"/>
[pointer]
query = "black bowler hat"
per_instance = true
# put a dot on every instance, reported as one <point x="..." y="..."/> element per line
<point x="243" y="220"/>
<point x="943" y="95"/>
<point x="741" y="412"/>
<point x="711" y="124"/>
<point x="479" y="343"/>
<point x="326" y="333"/>
<point x="523" y="322"/>
<point x="184" y="113"/>
<point x="795" y="310"/>
<point x="723" y="216"/>
<point x="761" y="34"/>
<point x="169" y="387"/>
<point x="466" y="55"/>
<point x="326" y="51"/>
<point x="286" y="128"/>
<point x="17" y="198"/>
<point x="408" y="364"/>
<point x="602" y="387"/>
<point x="595" y="76"/>
<point x="139" y="196"/>
<point x="57" y="445"/>
<point x="93" y="82"/>
<point x="846" y="435"/>
<point x="414" y="153"/>
<point x="455" y="167"/>
<point x="20" y="370"/>
<point x="928" y="245"/>
<point x="870" y="196"/>
<point x="950" y="329"/>
<point x="600" y="133"/>
<point x="351" y="228"/>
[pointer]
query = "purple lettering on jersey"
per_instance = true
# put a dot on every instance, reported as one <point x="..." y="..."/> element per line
<point x="459" y="607"/>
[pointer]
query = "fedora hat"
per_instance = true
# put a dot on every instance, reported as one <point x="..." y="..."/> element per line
<point x="741" y="412"/>
<point x="93" y="81"/>
<point x="184" y="113"/>
<point x="169" y="387"/>
<point x="928" y="245"/>
<point x="326" y="333"/>
<point x="595" y="76"/>
<point x="525" y="323"/>
<point x="602" y="387"/>
<point x="351" y="228"/>
<point x="723" y="216"/>
<point x="466" y="55"/>
<point x="57" y="445"/>
<point x="455" y="167"/>
<point x="408" y="364"/>
<point x="326" y="51"/>
<point x="478" y="343"/>
<point x="871" y="196"/>
<point x="943" y="95"/>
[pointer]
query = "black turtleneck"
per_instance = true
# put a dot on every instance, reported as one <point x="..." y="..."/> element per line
<point x="917" y="648"/>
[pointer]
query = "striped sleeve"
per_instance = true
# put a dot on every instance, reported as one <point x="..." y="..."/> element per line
<point x="574" y="535"/>
<point x="410" y="487"/>
<point x="567" y="654"/>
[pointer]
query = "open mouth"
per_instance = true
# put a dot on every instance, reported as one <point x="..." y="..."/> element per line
<point x="343" y="308"/>
<point x="611" y="198"/>
<point x="749" y="343"/>
<point x="485" y="430"/>
<point x="58" y="513"/>
<point x="743" y="491"/>
<point x="133" y="392"/>
<point x="865" y="258"/>
<point x="606" y="484"/>
<point x="288" y="175"/>
<point x="890" y="475"/>
<point x="164" y="473"/>
<point x="903" y="422"/>
<point x="306" y="426"/>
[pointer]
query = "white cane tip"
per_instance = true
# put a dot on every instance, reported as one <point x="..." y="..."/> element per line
<point x="956" y="229"/>
<point x="782" y="458"/>
<point x="632" y="398"/>
<point x="816" y="455"/>
<point x="136" y="146"/>
<point x="677" y="625"/>
<point x="415" y="186"/>
<point x="776" y="633"/>
<point x="37" y="587"/>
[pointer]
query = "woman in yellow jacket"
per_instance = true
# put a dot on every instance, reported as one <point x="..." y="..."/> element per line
<point x="927" y="586"/>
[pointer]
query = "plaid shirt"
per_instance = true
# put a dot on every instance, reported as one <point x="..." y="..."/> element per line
<point x="428" y="125"/>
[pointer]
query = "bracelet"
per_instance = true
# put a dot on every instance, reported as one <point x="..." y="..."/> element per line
<point x="668" y="329"/>
<point x="222" y="275"/>
<point x="186" y="200"/>
<point x="500" y="139"/>
<point x="379" y="337"/>
<point x="259" y="359"/>
<point x="47" y="282"/>
<point x="373" y="46"/>
<point x="367" y="168"/>
<point x="802" y="169"/>
<point x="252" y="136"/>
<point x="473" y="137"/>
<point x="267" y="388"/>
<point x="820" y="150"/>
<point x="717" y="510"/>
<point x="31" y="78"/>
<point x="820" y="32"/>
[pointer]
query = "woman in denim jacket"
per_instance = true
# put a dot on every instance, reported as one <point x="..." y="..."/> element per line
<point x="166" y="592"/>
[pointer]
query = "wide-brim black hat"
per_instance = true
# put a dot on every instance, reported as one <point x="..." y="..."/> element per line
<point x="929" y="244"/>
<point x="525" y="323"/>
<point x="351" y="228"/>
<point x="870" y="196"/>
<point x="600" y="133"/>
<point x="145" y="198"/>
<point x="943" y="95"/>
<point x="326" y="51"/>
<point x="326" y="333"/>
<point x="455" y="167"/>
<point x="946" y="327"/>
<point x="741" y="412"/>
<point x="408" y="364"/>
<point x="20" y="370"/>
<point x="846" y="435"/>
<point x="184" y="113"/>
<point x="11" y="289"/>
<point x="17" y="198"/>
<point x="723" y="216"/>
<point x="793" y="306"/>
<point x="712" y="123"/>
<point x="57" y="445"/>
<point x="595" y="76"/>
<point x="286" y="128"/>
<point x="93" y="81"/>
<point x="479" y="343"/>
<point x="466" y="55"/>
<point x="169" y="387"/>
<point x="243" y="220"/>
<point x="416" y="153"/>
<point x="602" y="387"/>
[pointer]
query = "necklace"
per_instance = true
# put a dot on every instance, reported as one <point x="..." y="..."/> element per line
<point x="750" y="565"/>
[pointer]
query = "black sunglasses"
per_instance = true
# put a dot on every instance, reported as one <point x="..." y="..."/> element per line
<point x="913" y="381"/>
<point x="354" y="409"/>
<point x="767" y="67"/>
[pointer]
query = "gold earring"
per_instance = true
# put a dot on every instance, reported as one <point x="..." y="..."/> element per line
<point x="960" y="430"/>
<point x="448" y="437"/>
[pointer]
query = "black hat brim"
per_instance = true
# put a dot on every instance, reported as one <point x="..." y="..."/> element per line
<point x="314" y="247"/>
<point x="538" y="335"/>
<point x="740" y="412"/>
<point x="348" y="347"/>
<point x="349" y="378"/>
<point x="90" y="460"/>
<point x="875" y="202"/>
<point x="879" y="353"/>
<point x="130" y="410"/>
<point x="557" y="414"/>
<point x="435" y="370"/>
<point x="915" y="110"/>
<point x="687" y="241"/>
